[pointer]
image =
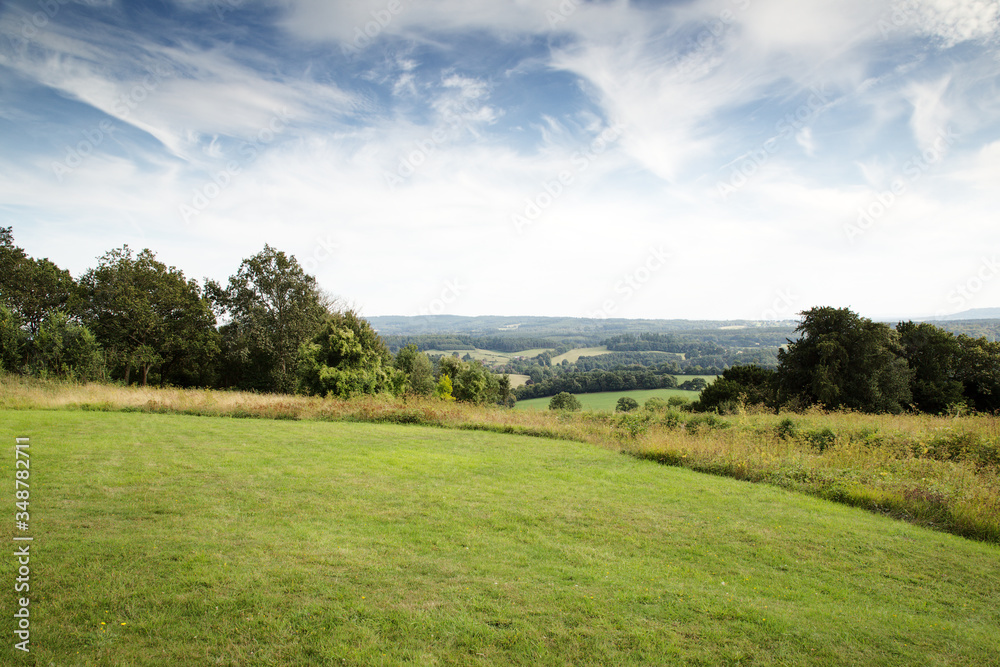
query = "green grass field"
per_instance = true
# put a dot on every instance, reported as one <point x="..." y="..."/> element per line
<point x="184" y="540"/>
<point x="573" y="355"/>
<point x="606" y="400"/>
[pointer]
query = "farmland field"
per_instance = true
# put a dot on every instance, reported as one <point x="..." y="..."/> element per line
<point x="184" y="540"/>
<point x="574" y="355"/>
<point x="606" y="400"/>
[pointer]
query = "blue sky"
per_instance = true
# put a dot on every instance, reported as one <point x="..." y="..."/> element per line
<point x="696" y="159"/>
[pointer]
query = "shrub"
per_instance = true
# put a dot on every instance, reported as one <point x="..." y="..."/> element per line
<point x="565" y="401"/>
<point x="656" y="403"/>
<point x="786" y="429"/>
<point x="822" y="439"/>
<point x="626" y="404"/>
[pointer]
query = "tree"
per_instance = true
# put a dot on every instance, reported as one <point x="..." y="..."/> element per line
<point x="842" y="360"/>
<point x="347" y="358"/>
<point x="273" y="307"/>
<point x="32" y="288"/>
<point x="444" y="388"/>
<point x="417" y="369"/>
<point x="565" y="401"/>
<point x="751" y="384"/>
<point x="979" y="372"/>
<point x="147" y="316"/>
<point x="12" y="341"/>
<point x="934" y="356"/>
<point x="63" y="348"/>
<point x="626" y="404"/>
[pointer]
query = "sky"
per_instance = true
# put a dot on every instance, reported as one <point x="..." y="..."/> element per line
<point x="695" y="159"/>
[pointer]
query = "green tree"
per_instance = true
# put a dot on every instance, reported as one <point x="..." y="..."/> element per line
<point x="934" y="355"/>
<point x="63" y="348"/>
<point x="12" y="341"/>
<point x="444" y="388"/>
<point x="417" y="369"/>
<point x="626" y="404"/>
<point x="979" y="372"/>
<point x="146" y="315"/>
<point x="32" y="288"/>
<point x="750" y="384"/>
<point x="842" y="360"/>
<point x="565" y="401"/>
<point x="272" y="307"/>
<point x="347" y="358"/>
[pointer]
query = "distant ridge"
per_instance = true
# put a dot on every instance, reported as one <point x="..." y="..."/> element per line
<point x="973" y="314"/>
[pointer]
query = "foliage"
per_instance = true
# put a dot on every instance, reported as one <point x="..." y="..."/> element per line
<point x="32" y="289"/>
<point x="979" y="372"/>
<point x="626" y="404"/>
<point x="63" y="348"/>
<point x="934" y="355"/>
<point x="146" y="315"/>
<point x="12" y="340"/>
<point x="417" y="369"/>
<point x="565" y="401"/>
<point x="273" y="307"/>
<point x="749" y="385"/>
<point x="842" y="360"/>
<point x="443" y="390"/>
<point x="347" y="358"/>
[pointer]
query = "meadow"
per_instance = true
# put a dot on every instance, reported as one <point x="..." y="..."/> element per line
<point x="606" y="400"/>
<point x="177" y="539"/>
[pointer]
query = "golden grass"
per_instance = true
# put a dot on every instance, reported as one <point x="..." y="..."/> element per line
<point x="936" y="471"/>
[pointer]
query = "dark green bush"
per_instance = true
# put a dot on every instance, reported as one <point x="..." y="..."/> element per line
<point x="821" y="439"/>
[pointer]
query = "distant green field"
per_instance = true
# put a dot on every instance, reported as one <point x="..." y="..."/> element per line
<point x="183" y="540"/>
<point x="608" y="399"/>
<point x="573" y="355"/>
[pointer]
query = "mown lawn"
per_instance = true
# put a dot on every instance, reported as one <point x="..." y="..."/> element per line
<point x="184" y="540"/>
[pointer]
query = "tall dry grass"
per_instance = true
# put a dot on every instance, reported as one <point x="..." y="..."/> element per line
<point x="940" y="472"/>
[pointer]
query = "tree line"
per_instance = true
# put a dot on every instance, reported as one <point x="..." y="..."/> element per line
<point x="844" y="361"/>
<point x="132" y="319"/>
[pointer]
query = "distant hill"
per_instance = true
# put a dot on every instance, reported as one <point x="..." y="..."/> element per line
<point x="973" y="314"/>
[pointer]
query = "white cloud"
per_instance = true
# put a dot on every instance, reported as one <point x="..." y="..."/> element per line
<point x="931" y="113"/>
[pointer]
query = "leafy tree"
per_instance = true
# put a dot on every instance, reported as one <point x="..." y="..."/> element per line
<point x="273" y="307"/>
<point x="12" y="341"/>
<point x="565" y="401"/>
<point x="32" y="288"/>
<point x="694" y="384"/>
<point x="347" y="358"/>
<point x="417" y="369"/>
<point x="842" y="360"/>
<point x="751" y="384"/>
<point x="979" y="372"/>
<point x="444" y="388"/>
<point x="63" y="348"/>
<point x="626" y="404"/>
<point x="146" y="315"/>
<point x="934" y="355"/>
<point x="450" y="366"/>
